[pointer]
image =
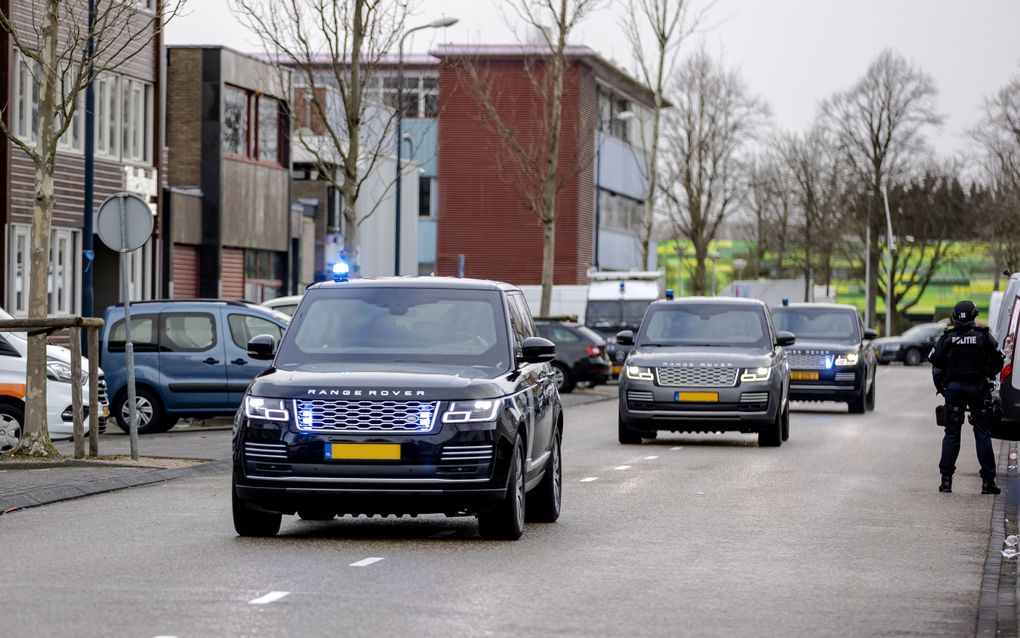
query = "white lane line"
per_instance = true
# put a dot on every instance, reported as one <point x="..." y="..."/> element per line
<point x="679" y="447"/>
<point x="365" y="562"/>
<point x="622" y="467"/>
<point x="271" y="597"/>
<point x="589" y="479"/>
<point x="651" y="458"/>
<point x="164" y="636"/>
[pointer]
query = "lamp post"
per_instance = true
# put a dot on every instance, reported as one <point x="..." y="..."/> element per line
<point x="440" y="23"/>
<point x="739" y="264"/>
<point x="890" y="245"/>
<point x="680" y="250"/>
<point x="713" y="256"/>
<point x="622" y="116"/>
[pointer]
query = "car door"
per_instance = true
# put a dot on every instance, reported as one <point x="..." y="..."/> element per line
<point x="540" y="384"/>
<point x="239" y="328"/>
<point x="192" y="367"/>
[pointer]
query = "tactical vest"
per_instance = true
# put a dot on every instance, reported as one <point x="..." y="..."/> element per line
<point x="966" y="355"/>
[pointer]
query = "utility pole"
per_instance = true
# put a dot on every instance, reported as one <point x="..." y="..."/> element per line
<point x="87" y="251"/>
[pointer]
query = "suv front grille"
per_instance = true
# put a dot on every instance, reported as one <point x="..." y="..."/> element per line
<point x="812" y="361"/>
<point x="355" y="417"/>
<point x="697" y="377"/>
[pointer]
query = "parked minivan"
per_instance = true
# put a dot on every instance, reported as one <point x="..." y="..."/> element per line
<point x="190" y="358"/>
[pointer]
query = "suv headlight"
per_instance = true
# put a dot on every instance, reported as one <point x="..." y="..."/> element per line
<point x="752" y="375"/>
<point x="266" y="409"/>
<point x="59" y="371"/>
<point x="472" y="411"/>
<point x="640" y="373"/>
<point x="848" y="359"/>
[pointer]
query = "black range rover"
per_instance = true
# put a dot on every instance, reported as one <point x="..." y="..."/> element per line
<point x="402" y="396"/>
<point x="833" y="360"/>
<point x="703" y="365"/>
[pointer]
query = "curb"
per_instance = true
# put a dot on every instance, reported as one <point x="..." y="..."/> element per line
<point x="997" y="600"/>
<point x="55" y="493"/>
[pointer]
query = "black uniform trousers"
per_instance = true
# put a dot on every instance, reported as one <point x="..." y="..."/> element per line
<point x="972" y="396"/>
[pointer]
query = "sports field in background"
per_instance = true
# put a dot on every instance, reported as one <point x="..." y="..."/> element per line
<point x="967" y="273"/>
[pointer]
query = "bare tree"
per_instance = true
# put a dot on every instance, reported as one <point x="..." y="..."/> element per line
<point x="332" y="49"/>
<point x="769" y="199"/>
<point x="56" y="54"/>
<point x="879" y="124"/>
<point x="706" y="132"/>
<point x="655" y="30"/>
<point x="534" y="167"/>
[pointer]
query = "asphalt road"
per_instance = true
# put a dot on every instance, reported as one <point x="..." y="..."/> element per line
<point x="840" y="532"/>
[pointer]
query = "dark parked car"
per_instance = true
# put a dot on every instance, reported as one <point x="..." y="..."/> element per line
<point x="833" y="359"/>
<point x="705" y="364"/>
<point x="912" y="347"/>
<point x="402" y="396"/>
<point x="580" y="354"/>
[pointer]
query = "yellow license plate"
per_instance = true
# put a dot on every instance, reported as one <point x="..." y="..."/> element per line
<point x="106" y="410"/>
<point x="697" y="397"/>
<point x="617" y="370"/>
<point x="801" y="375"/>
<point x="363" y="451"/>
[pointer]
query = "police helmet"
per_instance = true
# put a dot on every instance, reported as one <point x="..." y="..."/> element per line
<point x="964" y="313"/>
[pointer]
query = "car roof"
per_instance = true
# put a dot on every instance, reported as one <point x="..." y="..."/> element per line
<point x="448" y="283"/>
<point x="282" y="301"/>
<point x="186" y="304"/>
<point x="727" y="301"/>
<point x="805" y="304"/>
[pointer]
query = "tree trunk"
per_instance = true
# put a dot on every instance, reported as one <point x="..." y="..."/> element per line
<point x="652" y="178"/>
<point x="698" y="278"/>
<point x="35" y="440"/>
<point x="353" y="115"/>
<point x="548" y="259"/>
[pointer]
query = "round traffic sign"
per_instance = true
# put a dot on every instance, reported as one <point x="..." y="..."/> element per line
<point x="124" y="222"/>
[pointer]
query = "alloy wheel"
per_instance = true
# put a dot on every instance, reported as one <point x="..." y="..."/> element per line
<point x="10" y="432"/>
<point x="519" y="493"/>
<point x="559" y="377"/>
<point x="144" y="408"/>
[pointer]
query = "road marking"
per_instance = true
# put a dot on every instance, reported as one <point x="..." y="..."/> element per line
<point x="365" y="562"/>
<point x="622" y="467"/>
<point x="271" y="597"/>
<point x="589" y="479"/>
<point x="679" y="447"/>
<point x="651" y="458"/>
<point x="444" y="533"/>
<point x="165" y="636"/>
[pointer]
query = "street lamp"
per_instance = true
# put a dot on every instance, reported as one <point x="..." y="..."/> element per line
<point x="890" y="246"/>
<point x="713" y="256"/>
<point x="739" y="264"/>
<point x="439" y="23"/>
<point x="622" y="116"/>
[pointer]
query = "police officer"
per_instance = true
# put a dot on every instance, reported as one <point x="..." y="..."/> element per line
<point x="963" y="360"/>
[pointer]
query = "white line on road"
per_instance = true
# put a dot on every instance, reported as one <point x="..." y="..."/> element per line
<point x="365" y="562"/>
<point x="271" y="597"/>
<point x="679" y="447"/>
<point x="622" y="467"/>
<point x="165" y="636"/>
<point x="651" y="458"/>
<point x="589" y="479"/>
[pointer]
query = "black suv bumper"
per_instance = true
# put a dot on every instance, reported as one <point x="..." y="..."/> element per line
<point x="833" y="384"/>
<point x="457" y="470"/>
<point x="747" y="408"/>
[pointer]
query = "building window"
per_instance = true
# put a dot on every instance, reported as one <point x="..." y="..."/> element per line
<point x="619" y="212"/>
<point x="64" y="279"/>
<point x="269" y="130"/>
<point x="19" y="251"/>
<point x="137" y="120"/>
<point x="25" y="102"/>
<point x="264" y="274"/>
<point x="235" y="121"/>
<point x="610" y="108"/>
<point x="107" y="116"/>
<point x="426" y="196"/>
<point x="421" y="96"/>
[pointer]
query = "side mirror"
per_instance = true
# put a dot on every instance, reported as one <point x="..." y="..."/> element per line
<point x="537" y="350"/>
<point x="870" y="333"/>
<point x="262" y="347"/>
<point x="625" y="337"/>
<point x="785" y="339"/>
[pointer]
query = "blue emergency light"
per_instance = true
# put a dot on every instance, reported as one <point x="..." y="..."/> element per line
<point x="341" y="271"/>
<point x="669" y="293"/>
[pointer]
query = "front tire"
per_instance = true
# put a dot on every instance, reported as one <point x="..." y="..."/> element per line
<point x="564" y="381"/>
<point x="626" y="435"/>
<point x="252" y="522"/>
<point x="858" y="405"/>
<point x="869" y="399"/>
<point x="786" y="423"/>
<point x="912" y="357"/>
<point x="772" y="435"/>
<point x="506" y="522"/>
<point x="152" y="417"/>
<point x="544" y="500"/>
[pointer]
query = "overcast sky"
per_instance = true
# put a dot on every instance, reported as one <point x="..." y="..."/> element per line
<point x="792" y="53"/>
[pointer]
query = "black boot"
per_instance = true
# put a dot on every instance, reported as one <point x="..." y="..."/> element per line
<point x="988" y="486"/>
<point x="947" y="483"/>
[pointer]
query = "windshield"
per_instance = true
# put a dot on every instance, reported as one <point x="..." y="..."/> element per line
<point x="705" y="325"/>
<point x="405" y="325"/>
<point x="616" y="314"/>
<point x="834" y="325"/>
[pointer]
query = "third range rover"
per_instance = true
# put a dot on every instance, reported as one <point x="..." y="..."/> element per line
<point x="834" y="359"/>
<point x="706" y="365"/>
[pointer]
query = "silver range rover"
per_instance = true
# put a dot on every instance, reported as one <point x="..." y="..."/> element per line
<point x="706" y="364"/>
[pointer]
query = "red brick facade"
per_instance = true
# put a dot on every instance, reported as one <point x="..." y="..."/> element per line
<point x="482" y="214"/>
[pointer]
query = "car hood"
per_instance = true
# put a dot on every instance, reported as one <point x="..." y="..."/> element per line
<point x="57" y="353"/>
<point x="381" y="382"/>
<point x="707" y="357"/>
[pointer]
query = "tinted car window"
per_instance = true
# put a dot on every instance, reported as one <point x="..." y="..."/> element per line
<point x="188" y="332"/>
<point x="589" y="334"/>
<point x="705" y="325"/>
<point x="244" y="327"/>
<point x="819" y="324"/>
<point x="361" y="324"/>
<point x="143" y="334"/>
<point x="558" y="334"/>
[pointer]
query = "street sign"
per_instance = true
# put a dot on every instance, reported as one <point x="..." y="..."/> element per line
<point x="124" y="223"/>
<point x="130" y="232"/>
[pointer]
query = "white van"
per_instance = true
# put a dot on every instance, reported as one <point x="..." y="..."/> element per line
<point x="59" y="416"/>
<point x="1006" y="330"/>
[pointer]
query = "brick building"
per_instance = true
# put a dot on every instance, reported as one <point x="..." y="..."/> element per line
<point x="127" y="158"/>
<point x="230" y="227"/>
